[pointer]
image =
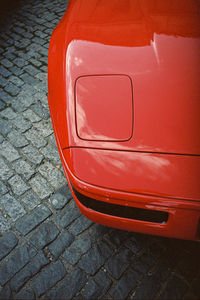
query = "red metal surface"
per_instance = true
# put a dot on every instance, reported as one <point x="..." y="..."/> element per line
<point x="157" y="45"/>
<point x="183" y="214"/>
<point x="101" y="103"/>
<point x="171" y="176"/>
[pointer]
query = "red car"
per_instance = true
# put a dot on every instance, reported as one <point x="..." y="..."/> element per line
<point x="124" y="99"/>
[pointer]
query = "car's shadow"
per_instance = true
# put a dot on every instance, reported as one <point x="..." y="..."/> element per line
<point x="160" y="266"/>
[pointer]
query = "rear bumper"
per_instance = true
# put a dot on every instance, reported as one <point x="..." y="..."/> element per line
<point x="183" y="216"/>
<point x="181" y="223"/>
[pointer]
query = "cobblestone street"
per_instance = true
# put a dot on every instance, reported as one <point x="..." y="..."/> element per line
<point x="48" y="250"/>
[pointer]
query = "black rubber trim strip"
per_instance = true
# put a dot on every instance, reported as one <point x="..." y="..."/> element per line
<point x="126" y="212"/>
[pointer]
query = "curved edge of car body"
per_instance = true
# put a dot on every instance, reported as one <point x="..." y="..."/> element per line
<point x="183" y="214"/>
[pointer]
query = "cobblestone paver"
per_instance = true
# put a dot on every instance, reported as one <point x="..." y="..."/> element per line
<point x="48" y="250"/>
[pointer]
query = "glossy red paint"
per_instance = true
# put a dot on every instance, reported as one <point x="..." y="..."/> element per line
<point x="144" y="54"/>
<point x="133" y="172"/>
<point x="183" y="214"/>
<point x="94" y="106"/>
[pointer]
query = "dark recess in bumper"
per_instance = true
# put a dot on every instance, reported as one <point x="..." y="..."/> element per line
<point x="126" y="212"/>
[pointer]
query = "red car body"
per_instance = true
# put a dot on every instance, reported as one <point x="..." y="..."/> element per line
<point x="124" y="94"/>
